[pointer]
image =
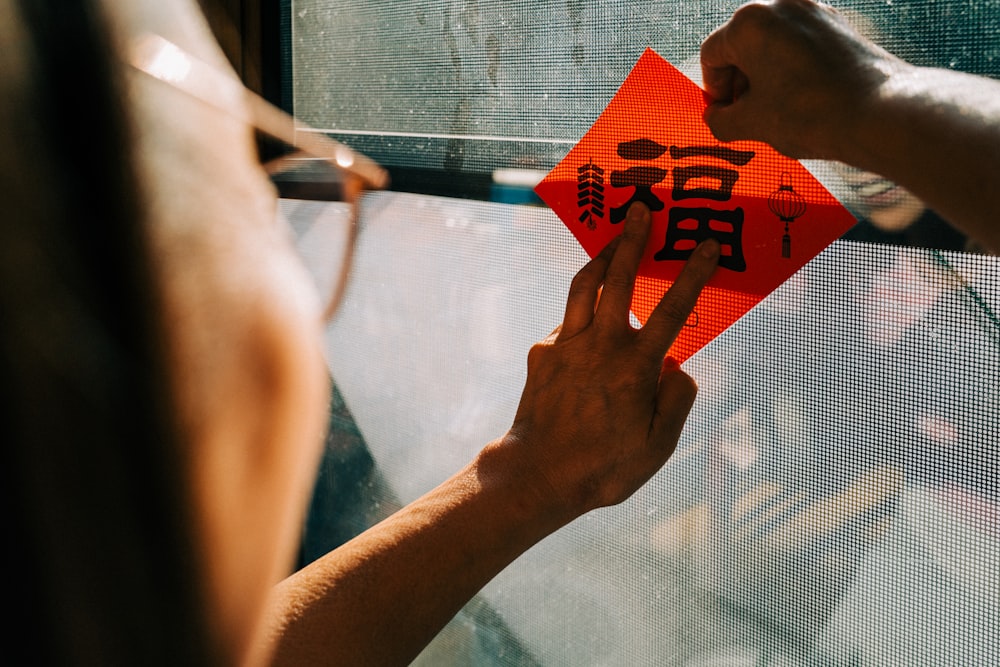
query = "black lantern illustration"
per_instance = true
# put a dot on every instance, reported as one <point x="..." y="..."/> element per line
<point x="787" y="204"/>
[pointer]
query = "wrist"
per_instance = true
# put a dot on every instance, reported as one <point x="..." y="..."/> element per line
<point x="869" y="126"/>
<point x="526" y="492"/>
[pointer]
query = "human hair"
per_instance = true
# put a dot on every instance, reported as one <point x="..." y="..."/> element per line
<point x="99" y="538"/>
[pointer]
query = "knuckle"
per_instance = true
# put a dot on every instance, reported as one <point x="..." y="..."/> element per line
<point x="582" y="282"/>
<point x="755" y="19"/>
<point x="619" y="280"/>
<point x="699" y="275"/>
<point x="676" y="310"/>
<point x="755" y="11"/>
<point x="635" y="233"/>
<point x="537" y="352"/>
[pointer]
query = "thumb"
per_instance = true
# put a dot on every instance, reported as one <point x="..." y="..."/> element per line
<point x="676" y="394"/>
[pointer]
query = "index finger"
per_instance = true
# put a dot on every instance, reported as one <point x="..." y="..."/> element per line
<point x="675" y="307"/>
<point x="619" y="281"/>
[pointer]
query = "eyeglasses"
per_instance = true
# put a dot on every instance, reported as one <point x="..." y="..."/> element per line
<point x="343" y="174"/>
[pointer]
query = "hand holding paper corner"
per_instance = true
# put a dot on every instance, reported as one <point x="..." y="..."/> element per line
<point x="768" y="213"/>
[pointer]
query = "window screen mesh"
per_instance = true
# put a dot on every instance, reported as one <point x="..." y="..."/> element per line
<point x="475" y="85"/>
<point x="834" y="499"/>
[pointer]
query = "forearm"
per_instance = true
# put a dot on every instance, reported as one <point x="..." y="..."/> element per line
<point x="820" y="90"/>
<point x="601" y="412"/>
<point x="380" y="598"/>
<point x="937" y="133"/>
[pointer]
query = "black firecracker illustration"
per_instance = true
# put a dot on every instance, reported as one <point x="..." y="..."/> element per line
<point x="590" y="194"/>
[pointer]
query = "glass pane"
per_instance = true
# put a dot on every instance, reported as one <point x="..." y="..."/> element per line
<point x="834" y="500"/>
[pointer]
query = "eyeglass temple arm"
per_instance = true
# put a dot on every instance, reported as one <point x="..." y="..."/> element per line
<point x="163" y="60"/>
<point x="280" y="125"/>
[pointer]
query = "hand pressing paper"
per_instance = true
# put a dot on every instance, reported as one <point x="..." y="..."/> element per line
<point x="769" y="214"/>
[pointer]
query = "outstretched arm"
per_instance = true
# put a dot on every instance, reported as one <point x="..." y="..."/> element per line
<point x="601" y="412"/>
<point x="794" y="74"/>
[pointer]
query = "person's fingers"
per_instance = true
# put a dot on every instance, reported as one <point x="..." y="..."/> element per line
<point x="717" y="70"/>
<point x="723" y="66"/>
<point x="726" y="86"/>
<point x="724" y="69"/>
<point x="616" y="295"/>
<point x="675" y="307"/>
<point x="676" y="394"/>
<point x="584" y="290"/>
<point x="728" y="121"/>
<point x="730" y="83"/>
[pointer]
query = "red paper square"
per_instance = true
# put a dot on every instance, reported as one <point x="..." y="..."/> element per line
<point x="651" y="143"/>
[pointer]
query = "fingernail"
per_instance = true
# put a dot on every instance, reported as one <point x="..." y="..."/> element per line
<point x="670" y="364"/>
<point x="637" y="211"/>
<point x="709" y="248"/>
